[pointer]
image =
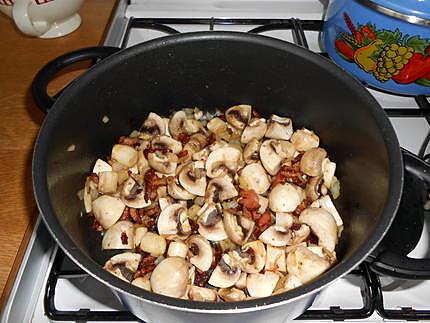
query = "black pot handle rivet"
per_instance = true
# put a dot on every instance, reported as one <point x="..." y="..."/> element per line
<point x="40" y="82"/>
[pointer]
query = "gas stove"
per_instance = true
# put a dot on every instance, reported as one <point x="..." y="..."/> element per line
<point x="50" y="288"/>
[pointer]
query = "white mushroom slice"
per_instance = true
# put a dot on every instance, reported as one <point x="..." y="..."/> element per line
<point x="232" y="294"/>
<point x="108" y="182"/>
<point x="256" y="254"/>
<point x="264" y="203"/>
<point x="210" y="222"/>
<point x="166" y="126"/>
<point x="251" y="152"/>
<point x="107" y="210"/>
<point x="90" y="194"/>
<point x="304" y="139"/>
<point x="285" y="197"/>
<point x="165" y="142"/>
<point x="283" y="221"/>
<point x="139" y="232"/>
<point x="276" y="238"/>
<point x="317" y="250"/>
<point x="279" y="128"/>
<point x="153" y="244"/>
<point x="101" y="166"/>
<point x="219" y="128"/>
<point x="164" y="163"/>
<point x="196" y="143"/>
<point x="241" y="283"/>
<point x="254" y="177"/>
<point x="142" y="163"/>
<point x="328" y="170"/>
<point x="119" y="236"/>
<point x="164" y="202"/>
<point x="275" y="259"/>
<point x="261" y="285"/>
<point x="170" y="277"/>
<point x="176" y="124"/>
<point x="220" y="189"/>
<point x="173" y="220"/>
<point x="191" y="126"/>
<point x="123" y="265"/>
<point x="326" y="203"/>
<point x="222" y="161"/>
<point x="153" y="125"/>
<point x="238" y="116"/>
<point x="193" y="179"/>
<point x="201" y="252"/>
<point x="125" y="155"/>
<point x="270" y="159"/>
<point x="255" y="129"/>
<point x="311" y="162"/>
<point x="301" y="234"/>
<point x="176" y="191"/>
<point x="225" y="274"/>
<point x="142" y="282"/>
<point x="323" y="225"/>
<point x="177" y="249"/>
<point x="291" y="282"/>
<point x="305" y="265"/>
<point x="238" y="228"/>
<point x="202" y="294"/>
<point x="313" y="188"/>
<point x="133" y="195"/>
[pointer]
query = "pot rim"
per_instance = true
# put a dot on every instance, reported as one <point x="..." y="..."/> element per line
<point x="41" y="190"/>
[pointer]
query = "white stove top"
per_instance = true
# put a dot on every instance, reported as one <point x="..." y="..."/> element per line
<point x="26" y="301"/>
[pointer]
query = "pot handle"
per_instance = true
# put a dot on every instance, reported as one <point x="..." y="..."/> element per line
<point x="40" y="82"/>
<point x="405" y="267"/>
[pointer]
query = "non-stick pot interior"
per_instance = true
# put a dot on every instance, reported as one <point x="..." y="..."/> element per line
<point x="211" y="72"/>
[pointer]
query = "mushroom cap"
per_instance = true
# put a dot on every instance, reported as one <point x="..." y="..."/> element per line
<point x="225" y="274"/>
<point x="305" y="265"/>
<point x="255" y="129"/>
<point x="177" y="249"/>
<point x="279" y="128"/>
<point x="327" y="204"/>
<point x="153" y="125"/>
<point x="101" y="166"/>
<point x="238" y="228"/>
<point x="276" y="238"/>
<point x="142" y="282"/>
<point x="301" y="234"/>
<point x="251" y="152"/>
<point x="108" y="182"/>
<point x="153" y="244"/>
<point x="270" y="159"/>
<point x="211" y="223"/>
<point x="107" y="210"/>
<point x="173" y="220"/>
<point x="241" y="283"/>
<point x="170" y="277"/>
<point x="222" y="161"/>
<point x="176" y="191"/>
<point x="238" y="116"/>
<point x="124" y="154"/>
<point x="312" y="160"/>
<point x="164" y="163"/>
<point x="133" y="195"/>
<point x="261" y="285"/>
<point x="304" y="139"/>
<point x="285" y="197"/>
<point x="220" y="189"/>
<point x="202" y="294"/>
<point x="90" y="194"/>
<point x="176" y="123"/>
<point x="232" y="294"/>
<point x="254" y="177"/>
<point x="202" y="254"/>
<point x="119" y="236"/>
<point x="123" y="265"/>
<point x="328" y="169"/>
<point x="166" y="142"/>
<point x="322" y="224"/>
<point x="313" y="188"/>
<point x="275" y="259"/>
<point x="193" y="179"/>
<point x="258" y="257"/>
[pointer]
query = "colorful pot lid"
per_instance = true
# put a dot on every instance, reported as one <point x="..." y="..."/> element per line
<point x="414" y="11"/>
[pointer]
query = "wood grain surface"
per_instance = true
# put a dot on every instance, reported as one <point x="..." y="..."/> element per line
<point x="20" y="58"/>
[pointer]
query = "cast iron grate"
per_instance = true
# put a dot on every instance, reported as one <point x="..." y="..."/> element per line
<point x="371" y="290"/>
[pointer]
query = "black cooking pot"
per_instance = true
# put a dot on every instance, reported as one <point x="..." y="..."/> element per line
<point x="209" y="70"/>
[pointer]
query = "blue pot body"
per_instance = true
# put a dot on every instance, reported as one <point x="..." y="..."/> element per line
<point x="366" y="48"/>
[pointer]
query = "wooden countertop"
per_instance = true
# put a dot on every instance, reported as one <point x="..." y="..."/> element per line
<point x="20" y="58"/>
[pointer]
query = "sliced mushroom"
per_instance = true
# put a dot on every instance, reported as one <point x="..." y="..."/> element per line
<point x="164" y="163"/>
<point x="283" y="221"/>
<point x="107" y="210"/>
<point x="285" y="197"/>
<point x="201" y="250"/>
<point x="166" y="142"/>
<point x="133" y="194"/>
<point x="279" y="128"/>
<point x="256" y="254"/>
<point x="238" y="116"/>
<point x="220" y="189"/>
<point x="251" y="152"/>
<point x="226" y="273"/>
<point x="241" y="283"/>
<point x="254" y="130"/>
<point x="153" y="244"/>
<point x="219" y="128"/>
<point x="275" y="259"/>
<point x="261" y="285"/>
<point x="327" y="204"/>
<point x="193" y="179"/>
<point x="170" y="277"/>
<point x="264" y="203"/>
<point x="196" y="143"/>
<point x="90" y="194"/>
<point x="143" y="282"/>
<point x="176" y="191"/>
<point x="176" y="124"/>
<point x="323" y="225"/>
<point x="238" y="228"/>
<point x="305" y="265"/>
<point x="301" y="234"/>
<point x="173" y="220"/>
<point x="311" y="162"/>
<point x="231" y="294"/>
<point x="177" y="249"/>
<point x="125" y="155"/>
<point x="123" y="265"/>
<point x="270" y="159"/>
<point x="222" y="161"/>
<point x="211" y="223"/>
<point x="328" y="170"/>
<point x="101" y="166"/>
<point x="277" y="238"/>
<point x="304" y="139"/>
<point x="288" y="282"/>
<point x="139" y="232"/>
<point x="202" y="294"/>
<point x="153" y="125"/>
<point x="119" y="236"/>
<point x="191" y="126"/>
<point x="254" y="177"/>
<point x="313" y="188"/>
